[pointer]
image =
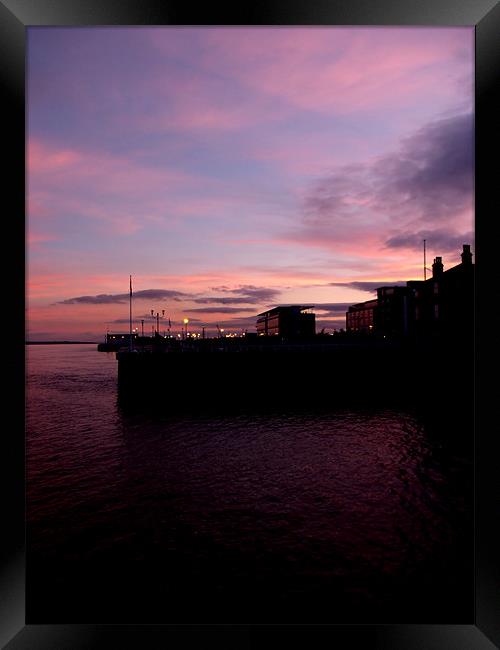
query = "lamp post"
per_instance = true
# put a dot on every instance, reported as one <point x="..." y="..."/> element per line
<point x="158" y="320"/>
<point x="186" y="321"/>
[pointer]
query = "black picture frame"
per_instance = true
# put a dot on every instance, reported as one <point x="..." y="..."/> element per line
<point x="484" y="633"/>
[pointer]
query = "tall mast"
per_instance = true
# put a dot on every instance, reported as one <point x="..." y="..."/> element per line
<point x="425" y="269"/>
<point x="130" y="317"/>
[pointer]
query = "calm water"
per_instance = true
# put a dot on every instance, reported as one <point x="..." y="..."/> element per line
<point x="354" y="515"/>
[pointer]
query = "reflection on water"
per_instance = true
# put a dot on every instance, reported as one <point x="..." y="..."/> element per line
<point x="353" y="515"/>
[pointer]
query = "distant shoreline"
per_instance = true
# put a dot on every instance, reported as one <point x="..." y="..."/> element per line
<point x="60" y="342"/>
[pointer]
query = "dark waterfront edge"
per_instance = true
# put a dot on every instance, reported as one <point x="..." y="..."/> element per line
<point x="442" y="13"/>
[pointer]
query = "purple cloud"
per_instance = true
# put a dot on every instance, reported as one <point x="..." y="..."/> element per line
<point x="427" y="180"/>
<point x="246" y="293"/>
<point x="101" y="299"/>
<point x="218" y="310"/>
<point x="223" y="301"/>
<point x="121" y="298"/>
<point x="442" y="240"/>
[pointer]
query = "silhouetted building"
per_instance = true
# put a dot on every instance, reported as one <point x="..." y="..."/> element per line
<point x="291" y="321"/>
<point x="120" y="339"/>
<point x="392" y="318"/>
<point x="442" y="306"/>
<point x="116" y="341"/>
<point x="361" y="316"/>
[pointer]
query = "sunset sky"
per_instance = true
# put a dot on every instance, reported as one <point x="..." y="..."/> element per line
<point x="229" y="170"/>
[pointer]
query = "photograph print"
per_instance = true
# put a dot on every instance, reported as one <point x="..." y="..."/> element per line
<point x="249" y="338"/>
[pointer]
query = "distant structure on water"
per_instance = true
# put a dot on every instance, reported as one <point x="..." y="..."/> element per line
<point x="442" y="305"/>
<point x="292" y="321"/>
<point x="116" y="341"/>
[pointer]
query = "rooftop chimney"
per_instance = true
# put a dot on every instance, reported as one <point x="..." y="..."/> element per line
<point x="437" y="267"/>
<point x="466" y="255"/>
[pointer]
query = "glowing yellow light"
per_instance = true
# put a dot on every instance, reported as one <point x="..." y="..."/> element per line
<point x="186" y="321"/>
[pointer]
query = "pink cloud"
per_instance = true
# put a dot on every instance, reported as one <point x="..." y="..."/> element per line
<point x="343" y="69"/>
<point x="222" y="101"/>
<point x="37" y="238"/>
<point x="43" y="159"/>
<point x="104" y="171"/>
<point x="115" y="190"/>
<point x="338" y="69"/>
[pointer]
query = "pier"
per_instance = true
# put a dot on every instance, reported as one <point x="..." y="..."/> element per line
<point x="225" y="373"/>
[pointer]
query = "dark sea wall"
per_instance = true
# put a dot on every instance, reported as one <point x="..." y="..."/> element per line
<point x="437" y="380"/>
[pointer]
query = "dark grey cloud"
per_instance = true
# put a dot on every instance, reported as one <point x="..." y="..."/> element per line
<point x="427" y="180"/>
<point x="221" y="300"/>
<point x="121" y="298"/>
<point x="250" y="293"/>
<point x="441" y="240"/>
<point x="433" y="171"/>
<point x="218" y="310"/>
<point x="327" y="199"/>
<point x="160" y="294"/>
<point x="101" y="299"/>
<point x="244" y="295"/>
<point x="370" y="287"/>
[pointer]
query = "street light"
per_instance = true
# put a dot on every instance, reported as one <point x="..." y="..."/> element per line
<point x="186" y="321"/>
<point x="158" y="319"/>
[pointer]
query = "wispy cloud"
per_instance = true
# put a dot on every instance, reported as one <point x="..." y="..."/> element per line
<point x="119" y="192"/>
<point x="340" y="70"/>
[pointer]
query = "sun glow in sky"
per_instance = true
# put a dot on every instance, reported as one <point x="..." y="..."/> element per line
<point x="233" y="169"/>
